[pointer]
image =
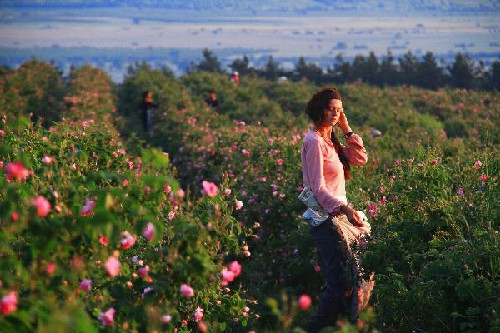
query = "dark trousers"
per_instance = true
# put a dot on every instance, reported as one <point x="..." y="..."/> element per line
<point x="333" y="260"/>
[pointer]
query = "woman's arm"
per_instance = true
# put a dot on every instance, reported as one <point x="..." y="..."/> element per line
<point x="355" y="151"/>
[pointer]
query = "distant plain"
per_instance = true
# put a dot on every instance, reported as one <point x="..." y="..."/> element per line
<point x="318" y="37"/>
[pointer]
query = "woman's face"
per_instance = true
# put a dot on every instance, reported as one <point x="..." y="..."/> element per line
<point x="332" y="112"/>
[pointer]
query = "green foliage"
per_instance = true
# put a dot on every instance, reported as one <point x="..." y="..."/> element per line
<point x="90" y="95"/>
<point x="33" y="90"/>
<point x="434" y="250"/>
<point x="210" y="63"/>
<point x="248" y="102"/>
<point x="45" y="258"/>
<point x="411" y="120"/>
<point x="463" y="72"/>
<point x="167" y="92"/>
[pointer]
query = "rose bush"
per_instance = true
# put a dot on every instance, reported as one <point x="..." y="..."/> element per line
<point x="261" y="165"/>
<point x="208" y="235"/>
<point x="89" y="240"/>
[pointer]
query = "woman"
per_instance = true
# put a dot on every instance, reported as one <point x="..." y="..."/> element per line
<point x="325" y="168"/>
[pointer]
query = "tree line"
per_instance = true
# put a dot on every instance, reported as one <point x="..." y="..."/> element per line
<point x="426" y="71"/>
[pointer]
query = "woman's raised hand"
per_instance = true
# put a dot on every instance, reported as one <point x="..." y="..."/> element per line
<point x="343" y="123"/>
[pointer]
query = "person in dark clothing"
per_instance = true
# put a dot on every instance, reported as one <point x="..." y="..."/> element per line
<point x="212" y="100"/>
<point x="147" y="112"/>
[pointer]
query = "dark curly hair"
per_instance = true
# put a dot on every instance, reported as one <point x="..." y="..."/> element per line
<point x="315" y="110"/>
<point x="319" y="102"/>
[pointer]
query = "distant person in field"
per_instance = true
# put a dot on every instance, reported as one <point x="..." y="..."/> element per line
<point x="147" y="111"/>
<point x="333" y="223"/>
<point x="235" y="79"/>
<point x="212" y="100"/>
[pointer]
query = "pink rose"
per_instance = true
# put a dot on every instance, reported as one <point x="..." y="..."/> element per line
<point x="372" y="209"/>
<point x="187" y="291"/>
<point x="198" y="314"/>
<point x="143" y="271"/>
<point x="42" y="206"/>
<point x="9" y="303"/>
<point x="47" y="160"/>
<point x="86" y="285"/>
<point x="483" y="178"/>
<point x="171" y="214"/>
<point x="166" y="319"/>
<point x="14" y="216"/>
<point x="103" y="240"/>
<point x="304" y="302"/>
<point x="478" y="164"/>
<point x="148" y="232"/>
<point x="127" y="241"/>
<point x="245" y="153"/>
<point x="210" y="189"/>
<point x="107" y="318"/>
<point x="50" y="269"/>
<point x="112" y="266"/>
<point x="16" y="170"/>
<point x="239" y="204"/>
<point x="88" y="208"/>
<point x="227" y="276"/>
<point x="235" y="267"/>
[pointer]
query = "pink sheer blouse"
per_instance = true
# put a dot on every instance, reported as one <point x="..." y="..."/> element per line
<point x="322" y="170"/>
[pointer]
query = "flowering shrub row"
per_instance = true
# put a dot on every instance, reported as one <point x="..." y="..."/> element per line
<point x="95" y="230"/>
<point x="262" y="164"/>
<point x="93" y="236"/>
<point x="33" y="90"/>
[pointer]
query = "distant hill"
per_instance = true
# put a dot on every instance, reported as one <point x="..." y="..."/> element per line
<point x="361" y="7"/>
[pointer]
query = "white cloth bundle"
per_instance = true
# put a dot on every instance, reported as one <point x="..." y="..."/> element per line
<point x="315" y="214"/>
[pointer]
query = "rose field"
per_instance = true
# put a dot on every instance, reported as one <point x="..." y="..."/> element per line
<point x="196" y="226"/>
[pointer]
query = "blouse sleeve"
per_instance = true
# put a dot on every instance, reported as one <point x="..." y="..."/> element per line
<point x="355" y="151"/>
<point x="314" y="173"/>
